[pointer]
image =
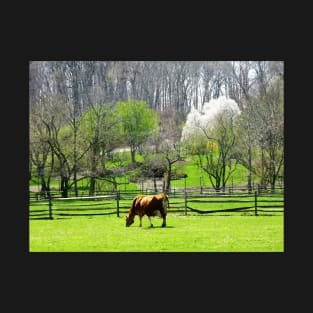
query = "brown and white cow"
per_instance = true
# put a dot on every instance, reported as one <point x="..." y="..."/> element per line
<point x="153" y="205"/>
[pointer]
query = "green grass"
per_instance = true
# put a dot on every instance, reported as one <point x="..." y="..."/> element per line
<point x="182" y="234"/>
<point x="220" y="203"/>
<point x="194" y="173"/>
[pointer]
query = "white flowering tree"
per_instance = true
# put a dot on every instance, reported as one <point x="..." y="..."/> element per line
<point x="210" y="133"/>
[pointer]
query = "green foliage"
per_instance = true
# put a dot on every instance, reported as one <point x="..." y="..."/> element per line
<point x="123" y="159"/>
<point x="100" y="122"/>
<point x="137" y="121"/>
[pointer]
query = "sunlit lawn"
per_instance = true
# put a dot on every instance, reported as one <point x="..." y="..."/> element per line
<point x="183" y="233"/>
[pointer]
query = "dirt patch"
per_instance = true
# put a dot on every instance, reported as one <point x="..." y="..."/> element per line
<point x="34" y="188"/>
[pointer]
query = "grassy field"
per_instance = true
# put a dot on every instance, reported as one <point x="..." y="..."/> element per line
<point x="195" y="174"/>
<point x="232" y="232"/>
<point x="182" y="234"/>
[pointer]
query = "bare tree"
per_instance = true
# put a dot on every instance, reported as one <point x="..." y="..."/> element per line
<point x="169" y="146"/>
<point x="240" y="83"/>
<point x="219" y="162"/>
<point x="270" y="119"/>
<point x="260" y="144"/>
<point x="41" y="155"/>
<point x="60" y="139"/>
<point x="99" y="130"/>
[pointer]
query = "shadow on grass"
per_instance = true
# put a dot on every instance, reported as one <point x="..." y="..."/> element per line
<point x="156" y="227"/>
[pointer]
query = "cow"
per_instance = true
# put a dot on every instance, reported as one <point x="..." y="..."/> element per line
<point x="154" y="205"/>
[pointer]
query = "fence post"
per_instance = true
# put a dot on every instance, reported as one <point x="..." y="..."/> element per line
<point x="255" y="204"/>
<point x="118" y="204"/>
<point x="50" y="206"/>
<point x="185" y="189"/>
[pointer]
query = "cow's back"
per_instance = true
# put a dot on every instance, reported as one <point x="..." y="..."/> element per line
<point x="153" y="205"/>
<point x="137" y="204"/>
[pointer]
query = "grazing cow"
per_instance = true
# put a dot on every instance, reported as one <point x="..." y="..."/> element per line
<point x="148" y="205"/>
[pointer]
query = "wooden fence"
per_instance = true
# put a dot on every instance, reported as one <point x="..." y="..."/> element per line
<point x="254" y="203"/>
<point x="182" y="202"/>
<point x="229" y="189"/>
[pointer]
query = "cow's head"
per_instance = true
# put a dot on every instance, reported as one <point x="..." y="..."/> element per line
<point x="129" y="220"/>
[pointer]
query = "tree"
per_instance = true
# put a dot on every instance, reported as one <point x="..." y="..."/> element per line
<point x="154" y="166"/>
<point x="239" y="86"/>
<point x="167" y="143"/>
<point x="219" y="163"/>
<point x="263" y="121"/>
<point x="137" y="123"/>
<point x="259" y="93"/>
<point x="211" y="135"/>
<point x="60" y="138"/>
<point x="41" y="155"/>
<point x="172" y="152"/>
<point x="270" y="117"/>
<point x="99" y="129"/>
<point x="245" y="145"/>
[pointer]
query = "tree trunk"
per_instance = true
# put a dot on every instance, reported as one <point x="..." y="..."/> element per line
<point x="64" y="186"/>
<point x="263" y="171"/>
<point x="273" y="187"/>
<point x="92" y="186"/>
<point x="155" y="185"/>
<point x="165" y="182"/>
<point x="273" y="182"/>
<point x="44" y="188"/>
<point x="75" y="161"/>
<point x="114" y="182"/>
<point x="218" y="186"/>
<point x="133" y="156"/>
<point x="75" y="182"/>
<point x="167" y="177"/>
<point x="249" y="168"/>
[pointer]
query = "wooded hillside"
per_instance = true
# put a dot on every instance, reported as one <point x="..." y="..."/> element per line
<point x="80" y="111"/>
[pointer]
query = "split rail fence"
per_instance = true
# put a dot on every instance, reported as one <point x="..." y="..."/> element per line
<point x="185" y="203"/>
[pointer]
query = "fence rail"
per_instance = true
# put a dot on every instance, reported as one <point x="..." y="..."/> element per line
<point x="183" y="202"/>
<point x="229" y="189"/>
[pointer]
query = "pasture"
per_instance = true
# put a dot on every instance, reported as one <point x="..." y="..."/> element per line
<point x="209" y="233"/>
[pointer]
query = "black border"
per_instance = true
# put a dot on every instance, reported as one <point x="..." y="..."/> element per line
<point x="187" y="272"/>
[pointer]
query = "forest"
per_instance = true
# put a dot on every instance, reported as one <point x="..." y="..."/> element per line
<point x="219" y="113"/>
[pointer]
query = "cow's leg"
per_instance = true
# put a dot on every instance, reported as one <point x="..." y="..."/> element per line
<point x="151" y="225"/>
<point x="140" y="222"/>
<point x="164" y="222"/>
<point x="164" y="219"/>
